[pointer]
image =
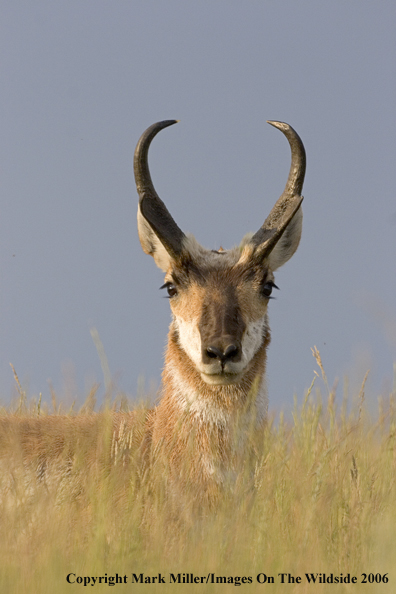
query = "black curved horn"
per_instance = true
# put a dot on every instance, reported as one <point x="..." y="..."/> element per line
<point x="151" y="205"/>
<point x="287" y="205"/>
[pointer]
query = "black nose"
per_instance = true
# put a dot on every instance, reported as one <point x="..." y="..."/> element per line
<point x="226" y="353"/>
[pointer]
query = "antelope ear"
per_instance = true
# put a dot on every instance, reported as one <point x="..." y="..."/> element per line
<point x="288" y="242"/>
<point x="151" y="244"/>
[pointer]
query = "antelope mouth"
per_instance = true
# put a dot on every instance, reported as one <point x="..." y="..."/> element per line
<point x="221" y="379"/>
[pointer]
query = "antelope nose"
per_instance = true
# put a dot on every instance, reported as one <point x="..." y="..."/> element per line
<point x="225" y="354"/>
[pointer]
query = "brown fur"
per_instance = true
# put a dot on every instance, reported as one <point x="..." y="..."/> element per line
<point x="53" y="444"/>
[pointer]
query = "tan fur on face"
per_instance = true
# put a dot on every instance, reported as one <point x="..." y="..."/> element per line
<point x="223" y="276"/>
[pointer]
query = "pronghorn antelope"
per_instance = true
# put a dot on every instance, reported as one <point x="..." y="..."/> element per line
<point x="214" y="374"/>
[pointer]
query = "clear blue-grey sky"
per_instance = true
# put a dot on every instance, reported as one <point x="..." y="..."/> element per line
<point x="81" y="80"/>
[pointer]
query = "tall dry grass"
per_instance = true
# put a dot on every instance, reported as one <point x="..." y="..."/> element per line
<point x="320" y="497"/>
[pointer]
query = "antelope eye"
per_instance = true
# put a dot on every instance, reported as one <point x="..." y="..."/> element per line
<point x="170" y="287"/>
<point x="267" y="288"/>
<point x="171" y="290"/>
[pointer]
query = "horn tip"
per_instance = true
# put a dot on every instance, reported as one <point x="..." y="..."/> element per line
<point x="280" y="125"/>
<point x="167" y="123"/>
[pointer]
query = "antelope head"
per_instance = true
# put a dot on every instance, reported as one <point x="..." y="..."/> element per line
<point x="219" y="298"/>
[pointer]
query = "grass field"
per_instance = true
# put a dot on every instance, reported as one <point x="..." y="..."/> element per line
<point x="323" y="502"/>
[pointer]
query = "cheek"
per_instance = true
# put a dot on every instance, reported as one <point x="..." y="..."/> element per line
<point x="189" y="339"/>
<point x="253" y="337"/>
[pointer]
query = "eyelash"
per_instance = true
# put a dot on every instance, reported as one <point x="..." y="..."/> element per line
<point x="170" y="287"/>
<point x="269" y="286"/>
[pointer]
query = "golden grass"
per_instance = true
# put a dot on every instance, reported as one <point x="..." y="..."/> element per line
<point x="324" y="501"/>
